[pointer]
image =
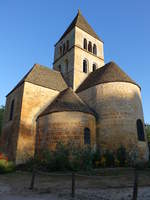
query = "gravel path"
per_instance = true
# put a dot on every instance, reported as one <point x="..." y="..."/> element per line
<point x="15" y="187"/>
<point x="101" y="194"/>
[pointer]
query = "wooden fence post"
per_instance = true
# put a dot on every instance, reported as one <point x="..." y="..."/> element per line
<point x="73" y="185"/>
<point x="135" y="187"/>
<point x="32" y="179"/>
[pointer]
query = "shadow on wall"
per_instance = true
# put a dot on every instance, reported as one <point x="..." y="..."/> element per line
<point x="119" y="108"/>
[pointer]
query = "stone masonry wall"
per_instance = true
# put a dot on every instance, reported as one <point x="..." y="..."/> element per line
<point x="68" y="56"/>
<point x="10" y="129"/>
<point x="71" y="37"/>
<point x="81" y="54"/>
<point x="119" y="106"/>
<point x="35" y="100"/>
<point x="64" y="127"/>
<point x="79" y="38"/>
<point x="67" y="73"/>
<point x="73" y="74"/>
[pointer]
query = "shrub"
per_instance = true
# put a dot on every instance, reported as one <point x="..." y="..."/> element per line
<point x="5" y="165"/>
<point x="117" y="162"/>
<point x="96" y="158"/>
<point x="74" y="157"/>
<point x="54" y="160"/>
<point x="133" y="156"/>
<point x="103" y="161"/>
<point x="61" y="157"/>
<point x="110" y="159"/>
<point x="121" y="156"/>
<point x="86" y="158"/>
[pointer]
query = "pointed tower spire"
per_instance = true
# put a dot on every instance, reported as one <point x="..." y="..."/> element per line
<point x="80" y="22"/>
<point x="79" y="12"/>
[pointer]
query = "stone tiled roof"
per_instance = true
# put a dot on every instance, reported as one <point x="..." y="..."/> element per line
<point x="81" y="23"/>
<point x="67" y="100"/>
<point x="44" y="76"/>
<point x="110" y="72"/>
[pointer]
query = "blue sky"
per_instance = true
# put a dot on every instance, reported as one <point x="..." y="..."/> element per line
<point x="30" y="28"/>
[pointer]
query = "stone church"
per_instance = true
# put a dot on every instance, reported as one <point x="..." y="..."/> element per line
<point x="81" y="99"/>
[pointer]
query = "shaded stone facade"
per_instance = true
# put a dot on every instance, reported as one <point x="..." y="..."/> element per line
<point x="10" y="131"/>
<point x="119" y="107"/>
<point x="64" y="127"/>
<point x="35" y="99"/>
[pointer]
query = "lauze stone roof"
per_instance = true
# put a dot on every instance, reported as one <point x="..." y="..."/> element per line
<point x="110" y="72"/>
<point x="67" y="100"/>
<point x="44" y="76"/>
<point x="81" y="23"/>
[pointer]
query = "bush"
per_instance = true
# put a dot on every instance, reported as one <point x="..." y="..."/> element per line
<point x="5" y="165"/>
<point x="60" y="157"/>
<point x="65" y="157"/>
<point x="121" y="156"/>
<point x="76" y="158"/>
<point x="86" y="158"/>
<point x="110" y="159"/>
<point x="96" y="158"/>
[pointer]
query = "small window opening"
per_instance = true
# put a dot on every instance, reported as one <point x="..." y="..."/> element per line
<point x="90" y="47"/>
<point x="140" y="130"/>
<point x="85" y="44"/>
<point x="85" y="67"/>
<point x="59" y="68"/>
<point x="94" y="67"/>
<point x="94" y="49"/>
<point x="87" y="136"/>
<point x="67" y="45"/>
<point x="64" y="48"/>
<point x="60" y="50"/>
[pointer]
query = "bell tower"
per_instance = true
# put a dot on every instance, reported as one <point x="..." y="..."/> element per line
<point x="78" y="52"/>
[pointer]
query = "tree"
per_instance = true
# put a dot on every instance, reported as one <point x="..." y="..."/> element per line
<point x="147" y="129"/>
<point x="2" y="109"/>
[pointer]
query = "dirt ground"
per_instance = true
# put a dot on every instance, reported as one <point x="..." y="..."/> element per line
<point x="105" y="185"/>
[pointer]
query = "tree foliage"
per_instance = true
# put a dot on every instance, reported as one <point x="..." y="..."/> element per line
<point x="2" y="108"/>
<point x="147" y="129"/>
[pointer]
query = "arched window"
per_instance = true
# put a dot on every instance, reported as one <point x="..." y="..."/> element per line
<point x="90" y="46"/>
<point x="66" y="65"/>
<point x="67" y="45"/>
<point x="85" y="66"/>
<point x="85" y="44"/>
<point x="94" y="67"/>
<point x="11" y="110"/>
<point x="59" y="68"/>
<point x="64" y="48"/>
<point x="87" y="136"/>
<point x="140" y="130"/>
<point x="95" y="49"/>
<point x="60" y="50"/>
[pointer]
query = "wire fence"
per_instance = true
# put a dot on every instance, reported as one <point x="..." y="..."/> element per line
<point x="73" y="176"/>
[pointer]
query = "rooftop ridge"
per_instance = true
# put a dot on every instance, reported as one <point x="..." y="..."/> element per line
<point x="67" y="100"/>
<point x="110" y="72"/>
<point x="43" y="76"/>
